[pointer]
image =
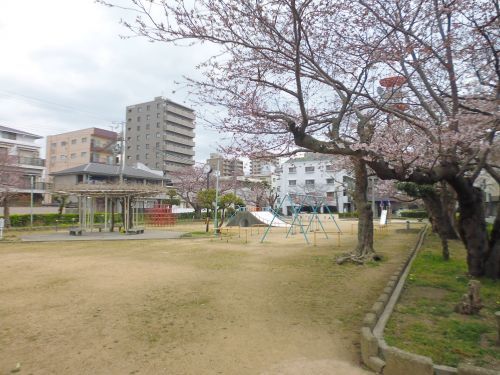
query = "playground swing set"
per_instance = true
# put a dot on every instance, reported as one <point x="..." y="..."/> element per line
<point x="297" y="202"/>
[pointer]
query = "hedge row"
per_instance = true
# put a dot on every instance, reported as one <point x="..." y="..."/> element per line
<point x="23" y="220"/>
<point x="414" y="214"/>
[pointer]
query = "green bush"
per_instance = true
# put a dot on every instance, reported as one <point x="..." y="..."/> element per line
<point x="414" y="214"/>
<point x="344" y="215"/>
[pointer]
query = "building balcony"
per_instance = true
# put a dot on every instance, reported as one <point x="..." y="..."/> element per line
<point x="176" y="139"/>
<point x="181" y="150"/>
<point x="179" y="121"/>
<point x="179" y="111"/>
<point x="37" y="162"/>
<point x="177" y="129"/>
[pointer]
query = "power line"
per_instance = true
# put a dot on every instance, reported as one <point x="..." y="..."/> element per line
<point x="50" y="103"/>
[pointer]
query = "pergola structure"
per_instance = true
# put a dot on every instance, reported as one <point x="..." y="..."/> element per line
<point x="129" y="195"/>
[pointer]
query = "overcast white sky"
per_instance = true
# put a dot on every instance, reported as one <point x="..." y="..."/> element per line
<point x="64" y="67"/>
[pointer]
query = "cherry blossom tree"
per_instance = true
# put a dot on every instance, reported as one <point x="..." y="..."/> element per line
<point x="188" y="181"/>
<point x="408" y="88"/>
<point x="11" y="179"/>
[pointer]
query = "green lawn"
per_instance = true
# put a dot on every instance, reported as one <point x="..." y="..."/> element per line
<point x="424" y="320"/>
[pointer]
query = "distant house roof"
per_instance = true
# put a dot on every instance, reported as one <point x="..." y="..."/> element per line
<point x="12" y="130"/>
<point x="109" y="170"/>
<point x="310" y="156"/>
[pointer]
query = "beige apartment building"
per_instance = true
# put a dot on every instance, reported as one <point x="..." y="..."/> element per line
<point x="160" y="134"/>
<point x="71" y="149"/>
<point x="227" y="167"/>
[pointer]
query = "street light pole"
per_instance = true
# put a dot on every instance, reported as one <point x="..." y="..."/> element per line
<point x="31" y="200"/>
<point x="217" y="173"/>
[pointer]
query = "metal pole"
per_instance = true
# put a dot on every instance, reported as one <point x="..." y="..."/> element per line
<point x="31" y="201"/>
<point x="122" y="161"/>
<point x="217" y="173"/>
<point x="374" y="208"/>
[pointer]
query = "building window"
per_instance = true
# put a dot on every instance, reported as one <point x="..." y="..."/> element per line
<point x="292" y="182"/>
<point x="129" y="147"/>
<point x="147" y="136"/>
<point x="84" y="140"/>
<point x="292" y="170"/>
<point x="157" y="124"/>
<point x="309" y="169"/>
<point x="148" y="107"/>
<point x="83" y="154"/>
<point x="63" y="143"/>
<point x="138" y="118"/>
<point x="129" y="110"/>
<point x="136" y="157"/>
<point x="53" y="145"/>
<point x="138" y="147"/>
<point x="330" y="194"/>
<point x="330" y="181"/>
<point x="139" y="109"/>
<point x="147" y="117"/>
<point x="129" y="119"/>
<point x="147" y="126"/>
<point x="146" y="156"/>
<point x="157" y="144"/>
<point x="73" y="141"/>
<point x="129" y="129"/>
<point x="157" y="105"/>
<point x="73" y="156"/>
<point x="129" y="157"/>
<point x="157" y="135"/>
<point x="329" y="168"/>
<point x="63" y="157"/>
<point x="147" y="145"/>
<point x="310" y="182"/>
<point x="138" y="127"/>
<point x="158" y="115"/>
<point x="53" y="159"/>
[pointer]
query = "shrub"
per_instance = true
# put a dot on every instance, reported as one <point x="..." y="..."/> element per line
<point x="414" y="214"/>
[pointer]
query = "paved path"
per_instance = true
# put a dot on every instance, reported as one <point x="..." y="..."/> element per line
<point x="97" y="236"/>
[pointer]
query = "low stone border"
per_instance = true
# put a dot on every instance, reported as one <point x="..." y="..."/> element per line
<point x="388" y="360"/>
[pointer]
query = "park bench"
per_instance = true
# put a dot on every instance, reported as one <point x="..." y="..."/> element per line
<point x="135" y="230"/>
<point x="75" y="231"/>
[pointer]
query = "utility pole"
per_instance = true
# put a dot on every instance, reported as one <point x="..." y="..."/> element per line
<point x="217" y="174"/>
<point x="31" y="199"/>
<point x="121" y="139"/>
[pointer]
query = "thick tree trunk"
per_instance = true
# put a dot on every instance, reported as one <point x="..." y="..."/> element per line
<point x="492" y="267"/>
<point x="438" y="212"/>
<point x="364" y="248"/>
<point x="472" y="225"/>
<point x="440" y="220"/>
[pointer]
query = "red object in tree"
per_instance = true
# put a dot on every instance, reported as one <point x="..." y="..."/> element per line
<point x="401" y="106"/>
<point x="392" y="81"/>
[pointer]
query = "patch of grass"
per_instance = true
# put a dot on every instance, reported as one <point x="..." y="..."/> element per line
<point x="424" y="321"/>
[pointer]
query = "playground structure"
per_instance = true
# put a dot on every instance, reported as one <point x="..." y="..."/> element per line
<point x="159" y="215"/>
<point x="311" y="223"/>
<point x="131" y="199"/>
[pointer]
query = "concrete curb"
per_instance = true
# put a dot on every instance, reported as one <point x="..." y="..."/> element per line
<point x="387" y="360"/>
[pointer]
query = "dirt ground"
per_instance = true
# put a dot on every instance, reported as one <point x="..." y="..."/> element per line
<point x="188" y="306"/>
